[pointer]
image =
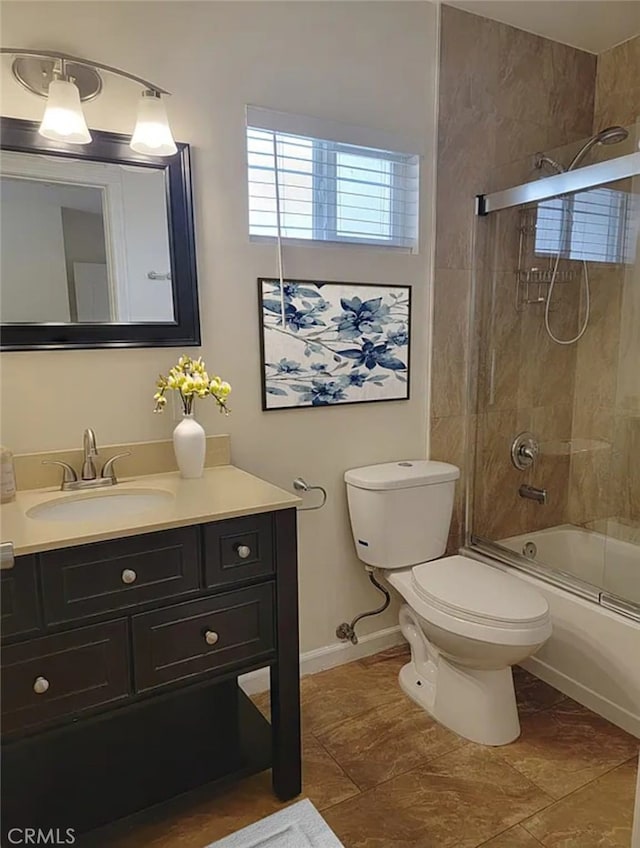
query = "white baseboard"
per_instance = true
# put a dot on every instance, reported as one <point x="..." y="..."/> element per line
<point x="583" y="695"/>
<point x="329" y="656"/>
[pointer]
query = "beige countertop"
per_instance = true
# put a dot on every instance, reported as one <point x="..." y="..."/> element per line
<point x="222" y="492"/>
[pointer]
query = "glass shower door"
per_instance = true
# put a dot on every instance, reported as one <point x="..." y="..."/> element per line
<point x="556" y="481"/>
<point x="525" y="390"/>
<point x="622" y="549"/>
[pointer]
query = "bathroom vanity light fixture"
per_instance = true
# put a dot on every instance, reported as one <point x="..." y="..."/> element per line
<point x="67" y="81"/>
<point x="63" y="118"/>
<point x="152" y="133"/>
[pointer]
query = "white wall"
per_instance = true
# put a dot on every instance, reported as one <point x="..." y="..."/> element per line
<point x="32" y="267"/>
<point x="147" y="245"/>
<point x="367" y="63"/>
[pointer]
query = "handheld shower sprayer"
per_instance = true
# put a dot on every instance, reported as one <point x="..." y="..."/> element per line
<point x="609" y="135"/>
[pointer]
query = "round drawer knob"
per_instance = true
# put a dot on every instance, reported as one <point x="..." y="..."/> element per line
<point x="243" y="551"/>
<point x="129" y="576"/>
<point x="211" y="637"/>
<point x="41" y="685"/>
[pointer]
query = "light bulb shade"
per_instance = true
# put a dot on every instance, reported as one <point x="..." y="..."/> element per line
<point x="63" y="117"/>
<point x="152" y="134"/>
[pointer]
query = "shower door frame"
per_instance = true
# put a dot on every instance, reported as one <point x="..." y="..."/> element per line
<point x="556" y="185"/>
<point x="569" y="182"/>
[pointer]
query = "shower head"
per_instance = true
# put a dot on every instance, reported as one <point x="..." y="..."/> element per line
<point x="609" y="135"/>
<point x="612" y="135"/>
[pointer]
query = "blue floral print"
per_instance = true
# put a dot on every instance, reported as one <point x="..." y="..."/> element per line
<point x="326" y="345"/>
<point x="360" y="317"/>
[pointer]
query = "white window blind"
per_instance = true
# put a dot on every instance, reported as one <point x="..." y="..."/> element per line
<point x="330" y="191"/>
<point x="598" y="225"/>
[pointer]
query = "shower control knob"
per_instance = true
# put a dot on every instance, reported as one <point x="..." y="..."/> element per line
<point x="524" y="450"/>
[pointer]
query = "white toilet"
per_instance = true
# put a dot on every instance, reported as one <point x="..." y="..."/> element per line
<point x="467" y="622"/>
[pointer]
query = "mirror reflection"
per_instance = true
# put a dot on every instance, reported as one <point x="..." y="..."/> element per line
<point x="83" y="242"/>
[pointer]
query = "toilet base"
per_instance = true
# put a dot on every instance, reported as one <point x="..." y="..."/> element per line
<point x="478" y="705"/>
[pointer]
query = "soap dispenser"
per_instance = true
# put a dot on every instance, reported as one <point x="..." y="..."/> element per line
<point x="7" y="476"/>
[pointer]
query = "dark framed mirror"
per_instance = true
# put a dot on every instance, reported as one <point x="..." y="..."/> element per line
<point x="97" y="244"/>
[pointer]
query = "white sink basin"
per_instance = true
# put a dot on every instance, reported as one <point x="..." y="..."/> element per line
<point x="97" y="505"/>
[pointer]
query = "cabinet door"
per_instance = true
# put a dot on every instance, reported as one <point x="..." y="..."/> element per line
<point x="238" y="549"/>
<point x="55" y="676"/>
<point x="92" y="579"/>
<point x="19" y="598"/>
<point x="189" y="639"/>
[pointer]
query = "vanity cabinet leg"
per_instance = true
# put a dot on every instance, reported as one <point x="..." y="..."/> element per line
<point x="285" y="673"/>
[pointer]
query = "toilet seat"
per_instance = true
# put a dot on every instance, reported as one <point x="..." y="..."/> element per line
<point x="475" y="600"/>
<point x="475" y="592"/>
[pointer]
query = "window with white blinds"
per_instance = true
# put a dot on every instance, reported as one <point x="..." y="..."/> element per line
<point x="598" y="225"/>
<point x="329" y="191"/>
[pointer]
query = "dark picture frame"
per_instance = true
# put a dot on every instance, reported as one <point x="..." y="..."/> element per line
<point x="23" y="137"/>
<point x="340" y="343"/>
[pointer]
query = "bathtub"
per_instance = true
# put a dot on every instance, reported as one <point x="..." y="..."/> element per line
<point x="593" y="655"/>
<point x="607" y="563"/>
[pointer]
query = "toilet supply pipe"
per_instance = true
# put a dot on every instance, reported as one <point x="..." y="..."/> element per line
<point x="346" y="632"/>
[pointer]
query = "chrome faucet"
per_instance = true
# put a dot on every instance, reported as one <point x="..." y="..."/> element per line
<point x="88" y="476"/>
<point x="90" y="450"/>
<point x="533" y="493"/>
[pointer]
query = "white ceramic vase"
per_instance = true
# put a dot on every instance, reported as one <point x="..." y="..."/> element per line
<point x="189" y="445"/>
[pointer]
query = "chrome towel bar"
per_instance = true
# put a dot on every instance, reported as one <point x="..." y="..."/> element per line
<point x="301" y="485"/>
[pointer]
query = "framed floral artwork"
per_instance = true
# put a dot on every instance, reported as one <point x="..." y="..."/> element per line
<point x="325" y="344"/>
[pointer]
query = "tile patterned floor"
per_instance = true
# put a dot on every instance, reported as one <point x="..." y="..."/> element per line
<point x="384" y="775"/>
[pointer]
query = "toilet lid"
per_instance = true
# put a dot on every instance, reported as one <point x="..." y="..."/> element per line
<point x="478" y="592"/>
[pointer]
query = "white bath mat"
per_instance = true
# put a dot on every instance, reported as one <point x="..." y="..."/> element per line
<point x="297" y="826"/>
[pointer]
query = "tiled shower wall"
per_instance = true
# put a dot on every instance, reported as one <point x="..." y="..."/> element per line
<point x="605" y="482"/>
<point x="504" y="95"/>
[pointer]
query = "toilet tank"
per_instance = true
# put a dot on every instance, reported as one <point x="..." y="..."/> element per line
<point x="401" y="511"/>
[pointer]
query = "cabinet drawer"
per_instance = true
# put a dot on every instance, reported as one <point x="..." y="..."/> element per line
<point x="238" y="549"/>
<point x="91" y="579"/>
<point x="54" y="676"/>
<point x="198" y="636"/>
<point x="19" y="598"/>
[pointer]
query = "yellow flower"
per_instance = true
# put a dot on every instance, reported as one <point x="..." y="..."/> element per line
<point x="190" y="378"/>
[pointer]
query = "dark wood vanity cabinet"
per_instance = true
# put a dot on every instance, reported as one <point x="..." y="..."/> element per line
<point x="111" y="576"/>
<point x="19" y="599"/>
<point x="60" y="675"/>
<point x="120" y="662"/>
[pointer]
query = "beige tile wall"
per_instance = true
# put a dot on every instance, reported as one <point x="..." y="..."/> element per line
<point x="504" y="95"/>
<point x="617" y="99"/>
